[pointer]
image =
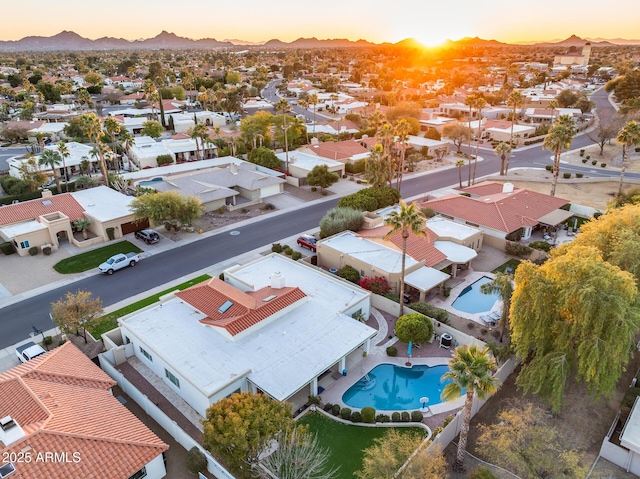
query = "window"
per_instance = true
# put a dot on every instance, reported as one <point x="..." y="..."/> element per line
<point x="146" y="354"/>
<point x="172" y="378"/>
<point x="24" y="244"/>
<point x="140" y="474"/>
<point x="225" y="306"/>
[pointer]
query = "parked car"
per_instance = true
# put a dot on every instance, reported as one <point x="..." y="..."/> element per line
<point x="148" y="236"/>
<point x="307" y="241"/>
<point x="119" y="261"/>
<point x="28" y="351"/>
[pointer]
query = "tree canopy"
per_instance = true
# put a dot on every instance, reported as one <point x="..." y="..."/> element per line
<point x="241" y="427"/>
<point x="574" y="316"/>
<point x="322" y="177"/>
<point x="457" y="133"/>
<point x="76" y="310"/>
<point x="167" y="207"/>
<point x="414" y="327"/>
<point x="263" y="156"/>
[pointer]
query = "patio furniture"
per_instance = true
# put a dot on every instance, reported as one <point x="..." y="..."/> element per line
<point x="488" y="320"/>
<point x="495" y="315"/>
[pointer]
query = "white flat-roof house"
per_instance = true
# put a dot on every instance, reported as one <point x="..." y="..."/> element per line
<point x="78" y="152"/>
<point x="301" y="163"/>
<point x="144" y="153"/>
<point x="273" y="326"/>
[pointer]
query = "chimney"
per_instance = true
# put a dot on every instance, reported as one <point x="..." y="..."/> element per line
<point x="10" y="431"/>
<point x="46" y="193"/>
<point x="507" y="187"/>
<point x="277" y="280"/>
<point x="314" y="141"/>
<point x="233" y="168"/>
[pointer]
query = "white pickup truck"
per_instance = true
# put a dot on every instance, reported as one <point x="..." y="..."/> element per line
<point x="119" y="261"/>
<point x="28" y="351"/>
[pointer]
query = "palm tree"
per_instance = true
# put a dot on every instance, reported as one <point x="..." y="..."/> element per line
<point x="628" y="136"/>
<point x="92" y="129"/>
<point x="471" y="368"/>
<point x="459" y="165"/>
<point x="515" y="100"/>
<point x="83" y="224"/>
<point x="63" y="149"/>
<point x="503" y="150"/>
<point x="84" y="98"/>
<point x="502" y="284"/>
<point x="313" y="100"/>
<point x="386" y="135"/>
<point x="198" y="132"/>
<point x="284" y="106"/>
<point x="127" y="140"/>
<point x="408" y="220"/>
<point x="470" y="101"/>
<point x="375" y="172"/>
<point x="553" y="104"/>
<point x="112" y="127"/>
<point x="51" y="159"/>
<point x="402" y="135"/>
<point x="479" y="104"/>
<point x="559" y="138"/>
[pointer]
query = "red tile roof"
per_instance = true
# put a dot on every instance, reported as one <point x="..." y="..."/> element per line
<point x="338" y="150"/>
<point x="493" y="209"/>
<point x="31" y="210"/>
<point x="418" y="247"/>
<point x="248" y="308"/>
<point x="63" y="403"/>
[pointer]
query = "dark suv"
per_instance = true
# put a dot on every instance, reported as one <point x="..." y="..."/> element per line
<point x="307" y="241"/>
<point x="148" y="236"/>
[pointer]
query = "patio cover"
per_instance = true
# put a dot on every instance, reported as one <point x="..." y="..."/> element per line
<point x="425" y="278"/>
<point x="455" y="252"/>
<point x="555" y="217"/>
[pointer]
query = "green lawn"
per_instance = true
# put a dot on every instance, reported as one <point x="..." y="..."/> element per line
<point x="345" y="442"/>
<point x="92" y="259"/>
<point x="110" y="320"/>
<point x="512" y="263"/>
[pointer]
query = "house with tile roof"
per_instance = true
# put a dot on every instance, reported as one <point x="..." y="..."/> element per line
<point x="373" y="252"/>
<point x="60" y="419"/>
<point x="500" y="209"/>
<point x="48" y="221"/>
<point x="274" y="325"/>
<point x="347" y="151"/>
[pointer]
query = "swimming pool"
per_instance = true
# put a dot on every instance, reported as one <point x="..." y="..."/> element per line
<point x="391" y="388"/>
<point x="472" y="300"/>
<point x="150" y="183"/>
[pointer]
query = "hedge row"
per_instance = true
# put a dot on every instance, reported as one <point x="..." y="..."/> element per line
<point x="368" y="415"/>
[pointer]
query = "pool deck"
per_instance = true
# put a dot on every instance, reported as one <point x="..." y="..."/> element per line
<point x="427" y="354"/>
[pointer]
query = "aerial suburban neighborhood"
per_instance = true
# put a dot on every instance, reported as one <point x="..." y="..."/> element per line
<point x="408" y="256"/>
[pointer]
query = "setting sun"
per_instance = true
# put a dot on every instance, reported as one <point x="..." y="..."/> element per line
<point x="430" y="39"/>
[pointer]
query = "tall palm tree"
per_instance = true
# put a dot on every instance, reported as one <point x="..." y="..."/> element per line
<point x="502" y="284"/>
<point x="553" y="104"/>
<point x="409" y="220"/>
<point x="401" y="131"/>
<point x="92" y="129"/>
<point x="515" y="100"/>
<point x="112" y="127"/>
<point x="51" y="159"/>
<point x="628" y="136"/>
<point x="127" y="140"/>
<point x="386" y="136"/>
<point x="63" y="149"/>
<point x="470" y="101"/>
<point x="375" y="171"/>
<point x="479" y="104"/>
<point x="503" y="150"/>
<point x="559" y="138"/>
<point x="284" y="106"/>
<point x="471" y="369"/>
<point x="198" y="132"/>
<point x="313" y="100"/>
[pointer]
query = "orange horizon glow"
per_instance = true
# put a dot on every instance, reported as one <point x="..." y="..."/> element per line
<point x="286" y="20"/>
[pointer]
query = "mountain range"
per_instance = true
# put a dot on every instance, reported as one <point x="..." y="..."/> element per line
<point x="71" y="41"/>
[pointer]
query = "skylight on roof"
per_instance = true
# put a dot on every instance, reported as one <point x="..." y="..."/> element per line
<point x="225" y="306"/>
<point x="269" y="298"/>
<point x="47" y="202"/>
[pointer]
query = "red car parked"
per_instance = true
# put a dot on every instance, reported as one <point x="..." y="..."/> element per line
<point x="307" y="241"/>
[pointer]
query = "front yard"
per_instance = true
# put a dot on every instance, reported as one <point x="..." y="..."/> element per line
<point x="92" y="259"/>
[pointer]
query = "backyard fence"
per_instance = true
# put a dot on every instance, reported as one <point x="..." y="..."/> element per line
<point x="186" y="441"/>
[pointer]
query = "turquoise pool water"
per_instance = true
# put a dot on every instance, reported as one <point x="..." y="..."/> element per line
<point x="396" y="388"/>
<point x="471" y="299"/>
<point x="150" y="183"/>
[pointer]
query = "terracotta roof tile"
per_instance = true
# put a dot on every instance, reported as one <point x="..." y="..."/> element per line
<point x="247" y="310"/>
<point x="31" y="210"/>
<point x="63" y="402"/>
<point x="418" y="247"/>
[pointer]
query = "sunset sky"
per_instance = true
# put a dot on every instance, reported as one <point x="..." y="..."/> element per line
<point x="257" y="20"/>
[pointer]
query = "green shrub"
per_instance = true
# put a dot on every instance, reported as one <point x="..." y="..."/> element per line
<point x="268" y="207"/>
<point x="540" y="245"/>
<point x="416" y="416"/>
<point x="335" y="410"/>
<point x="384" y="195"/>
<point x="630" y="396"/>
<point x="579" y="175"/>
<point x="288" y="250"/>
<point x="33" y="251"/>
<point x="296" y="255"/>
<point x="517" y="249"/>
<point x="431" y="311"/>
<point x="356" y="416"/>
<point x="593" y="162"/>
<point x="164" y="160"/>
<point x="603" y="165"/>
<point x="395" y="417"/>
<point x="350" y="274"/>
<point x="7" y="248"/>
<point x="588" y="157"/>
<point x="548" y="167"/>
<point x="356" y="167"/>
<point x="392" y="351"/>
<point x="392" y="297"/>
<point x="429" y="212"/>
<point x="345" y="413"/>
<point x="196" y="461"/>
<point x="566" y="175"/>
<point x="482" y="472"/>
<point x="328" y="407"/>
<point x="244" y="210"/>
<point x="368" y="415"/>
<point x="314" y="188"/>
<point x="436" y="431"/>
<point x="276" y="248"/>
<point x="405" y="416"/>
<point x="340" y="219"/>
<point x="111" y="233"/>
<point x="584" y="160"/>
<point x="515" y="235"/>
<point x="383" y="418"/>
<point x="47" y="340"/>
<point x="448" y="420"/>
<point x="581" y="152"/>
<point x="314" y="400"/>
<point x="358" y="201"/>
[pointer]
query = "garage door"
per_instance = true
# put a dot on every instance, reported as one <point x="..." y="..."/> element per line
<point x="132" y="226"/>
